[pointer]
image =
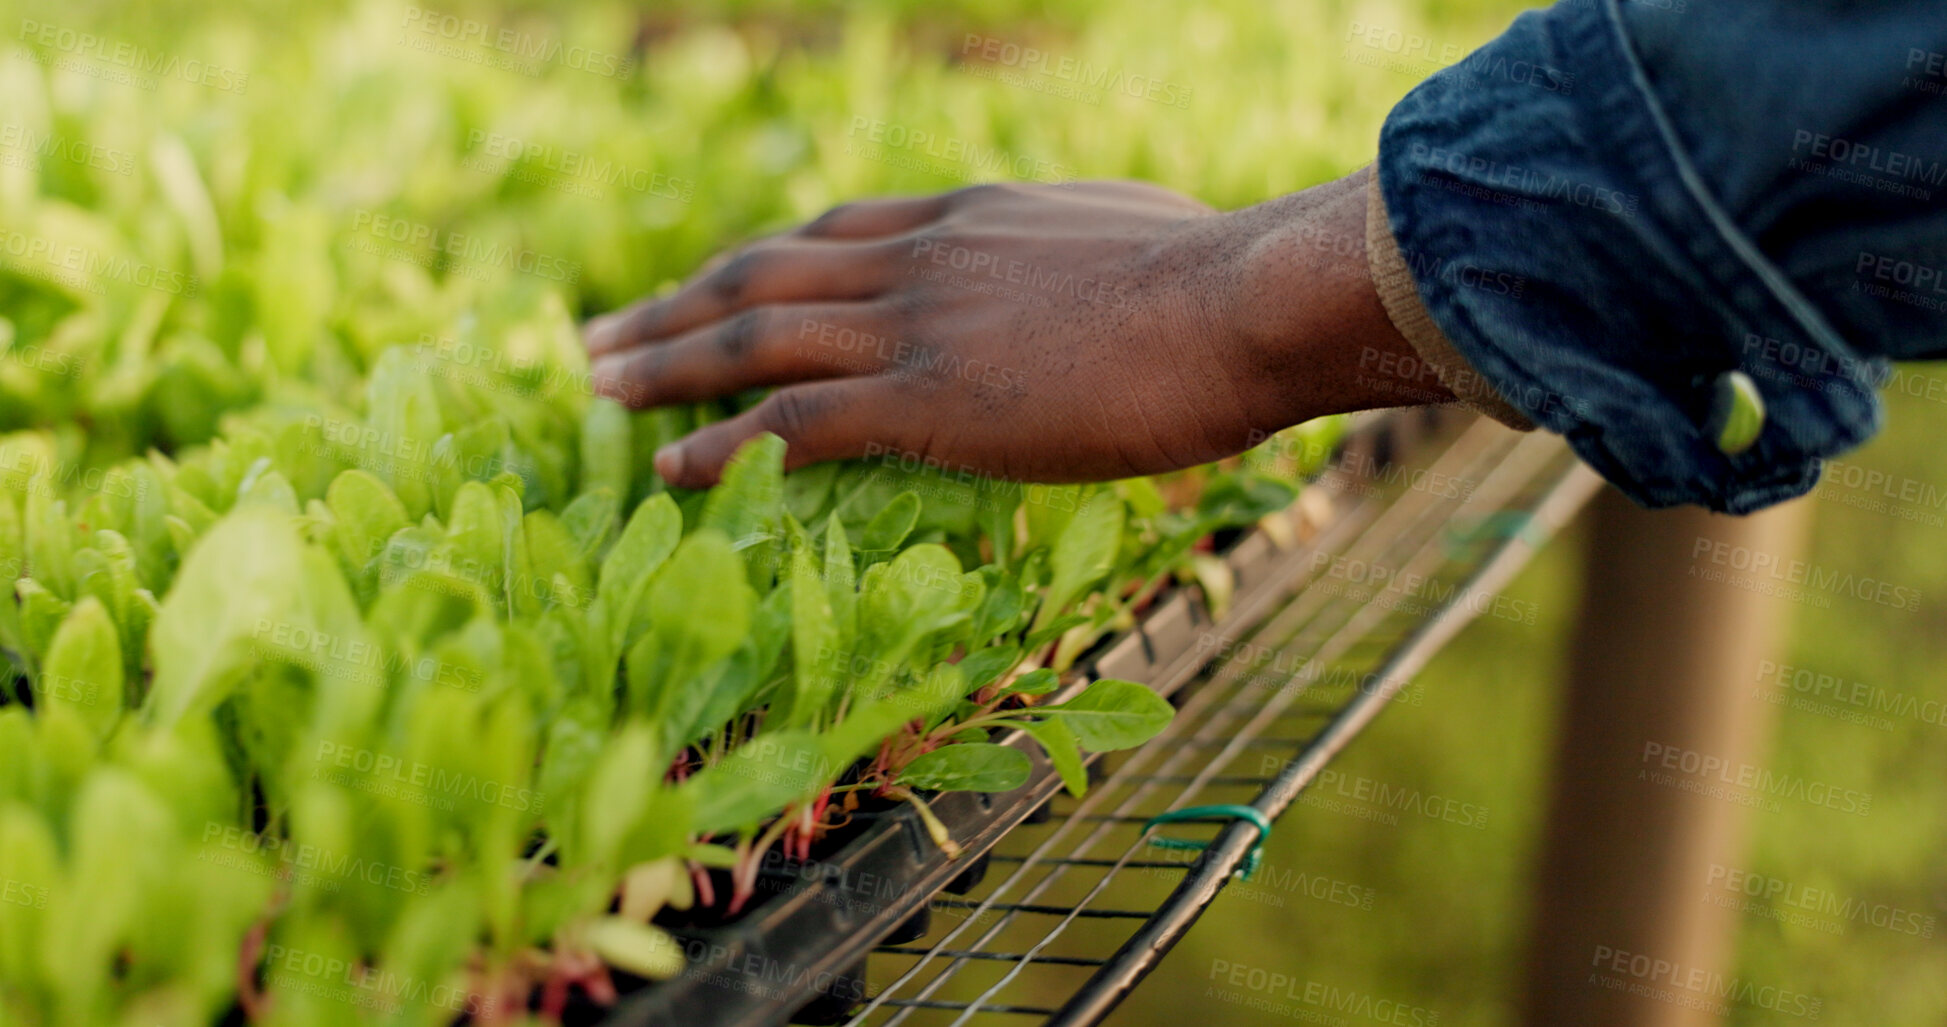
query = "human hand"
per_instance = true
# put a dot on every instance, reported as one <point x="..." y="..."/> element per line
<point x="1029" y="332"/>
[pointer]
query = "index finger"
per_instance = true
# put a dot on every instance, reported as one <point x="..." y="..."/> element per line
<point x="777" y="271"/>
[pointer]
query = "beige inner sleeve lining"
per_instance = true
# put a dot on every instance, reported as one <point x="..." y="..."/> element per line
<point x="1401" y="298"/>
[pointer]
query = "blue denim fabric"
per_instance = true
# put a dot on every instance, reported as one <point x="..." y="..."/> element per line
<point x="1619" y="201"/>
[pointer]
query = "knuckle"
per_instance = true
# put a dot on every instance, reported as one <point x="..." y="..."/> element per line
<point x="928" y="365"/>
<point x="998" y="191"/>
<point x="910" y="250"/>
<point x="790" y="413"/>
<point x="642" y="322"/>
<point x="976" y="194"/>
<point x="906" y="307"/>
<point x="739" y="335"/>
<point x="830" y="219"/>
<point x="731" y="283"/>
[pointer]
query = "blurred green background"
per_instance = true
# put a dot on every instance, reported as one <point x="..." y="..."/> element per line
<point x="632" y="142"/>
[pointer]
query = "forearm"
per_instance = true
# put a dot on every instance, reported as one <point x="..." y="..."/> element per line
<point x="1307" y="309"/>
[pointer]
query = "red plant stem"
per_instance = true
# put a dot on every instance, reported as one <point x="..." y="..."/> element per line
<point x="599" y="985"/>
<point x="248" y="996"/>
<point x="814" y="822"/>
<point x="498" y="997"/>
<point x="706" y="892"/>
<point x="571" y="968"/>
<point x="746" y="867"/>
<point x="554" y="997"/>
<point x="807" y="824"/>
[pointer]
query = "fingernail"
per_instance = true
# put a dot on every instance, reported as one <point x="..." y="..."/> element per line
<point x="606" y="375"/>
<point x="670" y="462"/>
<point x="598" y="333"/>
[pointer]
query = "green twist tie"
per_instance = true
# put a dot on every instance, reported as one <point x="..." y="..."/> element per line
<point x="1210" y="813"/>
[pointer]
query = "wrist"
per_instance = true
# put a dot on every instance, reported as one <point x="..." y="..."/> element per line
<point x="1307" y="316"/>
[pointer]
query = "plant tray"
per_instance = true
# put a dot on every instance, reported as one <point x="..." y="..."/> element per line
<point x="1441" y="496"/>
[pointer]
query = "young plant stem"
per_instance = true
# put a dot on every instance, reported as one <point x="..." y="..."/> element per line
<point x="934" y="828"/>
<point x="249" y="998"/>
<point x="535" y="862"/>
<point x="990" y="718"/>
<point x="706" y="890"/>
<point x="743" y="876"/>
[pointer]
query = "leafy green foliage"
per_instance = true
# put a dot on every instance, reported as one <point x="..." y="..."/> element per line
<point x="969" y="767"/>
<point x="1083" y="553"/>
<point x="343" y="619"/>
<point x="1112" y="714"/>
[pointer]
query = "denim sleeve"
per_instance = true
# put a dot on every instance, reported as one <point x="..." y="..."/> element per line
<point x="1618" y="203"/>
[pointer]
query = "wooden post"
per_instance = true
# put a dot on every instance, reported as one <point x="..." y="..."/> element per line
<point x="1663" y="662"/>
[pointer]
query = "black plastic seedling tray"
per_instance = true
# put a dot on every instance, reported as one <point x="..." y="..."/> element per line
<point x="798" y="956"/>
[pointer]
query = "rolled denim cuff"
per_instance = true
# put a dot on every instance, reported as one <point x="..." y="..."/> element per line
<point x="1401" y="297"/>
<point x="1564" y="242"/>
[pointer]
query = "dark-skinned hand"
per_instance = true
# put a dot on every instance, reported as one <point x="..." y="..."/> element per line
<point x="1067" y="333"/>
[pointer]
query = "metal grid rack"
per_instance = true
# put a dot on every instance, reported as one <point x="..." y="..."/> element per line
<point x="1059" y="907"/>
<point x="1077" y="909"/>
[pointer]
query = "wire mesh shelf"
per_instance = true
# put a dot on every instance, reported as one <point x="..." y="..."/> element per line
<point x="1391" y="581"/>
<point x="1060" y="906"/>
